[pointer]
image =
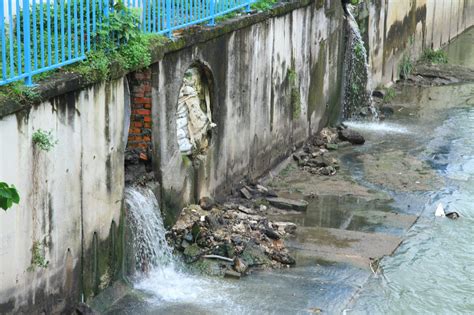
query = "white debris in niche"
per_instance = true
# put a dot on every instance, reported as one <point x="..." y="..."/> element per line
<point x="193" y="117"/>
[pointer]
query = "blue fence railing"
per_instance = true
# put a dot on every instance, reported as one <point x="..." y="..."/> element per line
<point x="42" y="35"/>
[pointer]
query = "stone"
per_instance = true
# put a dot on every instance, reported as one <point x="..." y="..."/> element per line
<point x="207" y="203"/>
<point x="244" y="191"/>
<point x="84" y="309"/>
<point x="245" y="210"/>
<point x="284" y="203"/>
<point x="239" y="265"/>
<point x="351" y="136"/>
<point x="332" y="146"/>
<point x="192" y="253"/>
<point x="232" y="274"/>
<point x="253" y="255"/>
<point x="271" y="233"/>
<point x="378" y="94"/>
<point x="283" y="258"/>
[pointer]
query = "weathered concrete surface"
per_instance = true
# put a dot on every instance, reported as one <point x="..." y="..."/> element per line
<point x="399" y="27"/>
<point x="70" y="199"/>
<point x="273" y="84"/>
<point x="337" y="245"/>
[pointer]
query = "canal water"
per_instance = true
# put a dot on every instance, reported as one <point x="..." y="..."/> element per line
<point x="419" y="157"/>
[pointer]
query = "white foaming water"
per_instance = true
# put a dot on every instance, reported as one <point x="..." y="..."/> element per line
<point x="160" y="274"/>
<point x="377" y="127"/>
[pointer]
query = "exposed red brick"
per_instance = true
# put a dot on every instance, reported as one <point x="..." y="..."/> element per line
<point x="144" y="112"/>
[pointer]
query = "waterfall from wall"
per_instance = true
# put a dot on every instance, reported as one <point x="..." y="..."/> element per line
<point x="357" y="96"/>
<point x="158" y="272"/>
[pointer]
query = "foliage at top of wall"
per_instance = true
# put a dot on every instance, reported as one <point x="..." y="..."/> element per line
<point x="8" y="196"/>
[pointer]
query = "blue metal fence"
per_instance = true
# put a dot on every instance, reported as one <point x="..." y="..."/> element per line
<point x="42" y="35"/>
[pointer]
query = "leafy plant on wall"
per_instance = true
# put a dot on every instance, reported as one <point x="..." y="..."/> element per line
<point x="8" y="196"/>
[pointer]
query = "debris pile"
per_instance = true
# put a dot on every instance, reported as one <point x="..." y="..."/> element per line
<point x="316" y="157"/>
<point x="230" y="239"/>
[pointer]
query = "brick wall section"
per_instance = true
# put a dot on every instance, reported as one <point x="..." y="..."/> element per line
<point x="139" y="136"/>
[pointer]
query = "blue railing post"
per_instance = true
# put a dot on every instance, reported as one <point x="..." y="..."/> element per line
<point x="168" y="18"/>
<point x="4" y="44"/>
<point x="27" y="48"/>
<point x="212" y="13"/>
<point x="247" y="7"/>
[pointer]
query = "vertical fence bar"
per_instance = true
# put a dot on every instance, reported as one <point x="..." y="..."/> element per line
<point x="94" y="19"/>
<point x="35" y="39"/>
<point x="48" y="16"/>
<point x="81" y="12"/>
<point x="42" y="33"/>
<point x="10" y="19"/>
<point x="168" y="18"/>
<point x="27" y="48"/>
<point x="18" y="37"/>
<point x="69" y="31"/>
<point x="88" y="25"/>
<point x="63" y="45"/>
<point x="56" y="39"/>
<point x="212" y="8"/>
<point x="76" y="49"/>
<point x="4" y="44"/>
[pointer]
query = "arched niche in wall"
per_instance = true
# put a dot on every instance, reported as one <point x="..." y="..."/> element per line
<point x="194" y="113"/>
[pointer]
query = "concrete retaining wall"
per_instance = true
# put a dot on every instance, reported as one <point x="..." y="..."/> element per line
<point x="398" y="27"/>
<point x="69" y="198"/>
<point x="255" y="72"/>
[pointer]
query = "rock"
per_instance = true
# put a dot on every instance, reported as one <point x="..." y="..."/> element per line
<point x="207" y="203"/>
<point x="284" y="203"/>
<point x="271" y="193"/>
<point x="239" y="265"/>
<point x="84" y="309"/>
<point x="378" y="93"/>
<point x="244" y="191"/>
<point x="188" y="237"/>
<point x="351" y="136"/>
<point x="287" y="227"/>
<point x="253" y="255"/>
<point x="332" y="146"/>
<point x="328" y="135"/>
<point x="283" y="258"/>
<point x="245" y="210"/>
<point x="271" y="233"/>
<point x="453" y="215"/>
<point x="262" y="189"/>
<point x="232" y="274"/>
<point x="192" y="253"/>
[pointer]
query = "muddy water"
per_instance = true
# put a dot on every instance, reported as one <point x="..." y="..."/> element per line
<point x="433" y="271"/>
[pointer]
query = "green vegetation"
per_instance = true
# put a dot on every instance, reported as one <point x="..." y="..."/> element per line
<point x="44" y="140"/>
<point x="389" y="95"/>
<point x="118" y="42"/>
<point x="38" y="258"/>
<point x="262" y="5"/>
<point x="434" y="56"/>
<point x="406" y="67"/>
<point x="359" y="50"/>
<point x="295" y="101"/>
<point x="8" y="196"/>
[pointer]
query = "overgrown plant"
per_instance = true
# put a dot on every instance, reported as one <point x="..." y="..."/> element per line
<point x="434" y="56"/>
<point x="38" y="258"/>
<point x="44" y="140"/>
<point x="262" y="5"/>
<point x="8" y="196"/>
<point x="406" y="67"/>
<point x="389" y="95"/>
<point x="120" y="41"/>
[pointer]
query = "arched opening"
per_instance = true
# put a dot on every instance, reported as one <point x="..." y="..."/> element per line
<point x="194" y="121"/>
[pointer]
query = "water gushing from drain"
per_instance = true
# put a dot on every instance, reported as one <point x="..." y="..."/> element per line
<point x="358" y="98"/>
<point x="160" y="273"/>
